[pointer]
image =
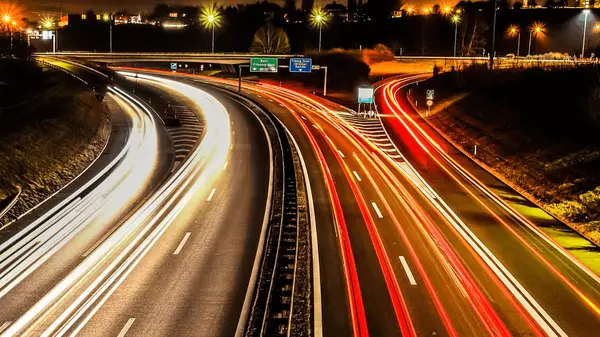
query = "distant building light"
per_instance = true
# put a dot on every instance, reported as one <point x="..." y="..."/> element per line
<point x="97" y="16"/>
<point x="173" y="25"/>
<point x="173" y="15"/>
<point x="83" y="17"/>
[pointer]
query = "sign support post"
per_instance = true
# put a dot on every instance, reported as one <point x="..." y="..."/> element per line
<point x="325" y="83"/>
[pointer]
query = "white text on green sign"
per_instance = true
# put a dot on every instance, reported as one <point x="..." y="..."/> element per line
<point x="263" y="64"/>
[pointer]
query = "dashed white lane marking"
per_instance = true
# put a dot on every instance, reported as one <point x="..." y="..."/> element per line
<point x="341" y="154"/>
<point x="4" y="326"/>
<point x="212" y="193"/>
<point x="409" y="274"/>
<point x="225" y="166"/>
<point x="185" y="238"/>
<point x="377" y="210"/>
<point x="356" y="175"/>
<point x="126" y="327"/>
<point x="303" y="117"/>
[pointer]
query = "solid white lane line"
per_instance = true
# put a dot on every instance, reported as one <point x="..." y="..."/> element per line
<point x="303" y="117"/>
<point x="356" y="175"/>
<point x="377" y="210"/>
<point x="185" y="238"/>
<point x="4" y="326"/>
<point x="126" y="327"/>
<point x="341" y="154"/>
<point x="409" y="274"/>
<point x="212" y="193"/>
<point x="225" y="166"/>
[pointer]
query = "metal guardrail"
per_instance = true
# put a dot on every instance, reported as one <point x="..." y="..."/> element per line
<point x="11" y="204"/>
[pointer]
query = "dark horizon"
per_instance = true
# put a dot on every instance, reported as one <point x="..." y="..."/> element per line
<point x="31" y="7"/>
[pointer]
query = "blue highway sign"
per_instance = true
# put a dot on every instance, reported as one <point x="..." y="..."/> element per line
<point x="300" y="65"/>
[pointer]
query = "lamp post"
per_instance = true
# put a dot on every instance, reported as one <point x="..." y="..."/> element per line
<point x="317" y="18"/>
<point x="493" y="37"/>
<point x="515" y="30"/>
<point x="211" y="18"/>
<point x="535" y="29"/>
<point x="585" y="12"/>
<point x="456" y="20"/>
<point x="7" y="22"/>
<point x="108" y="18"/>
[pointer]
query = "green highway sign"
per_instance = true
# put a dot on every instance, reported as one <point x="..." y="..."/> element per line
<point x="263" y="64"/>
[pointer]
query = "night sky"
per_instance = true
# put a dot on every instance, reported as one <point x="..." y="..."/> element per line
<point x="133" y="5"/>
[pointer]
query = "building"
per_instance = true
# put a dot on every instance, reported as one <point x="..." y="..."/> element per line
<point x="336" y="11"/>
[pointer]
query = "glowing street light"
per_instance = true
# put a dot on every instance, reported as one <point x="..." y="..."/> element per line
<point x="585" y="12"/>
<point x="455" y="19"/>
<point x="410" y="9"/>
<point x="8" y="22"/>
<point x="211" y="18"/>
<point x="535" y="29"/>
<point x="446" y="10"/>
<point x="318" y="18"/>
<point x="512" y="31"/>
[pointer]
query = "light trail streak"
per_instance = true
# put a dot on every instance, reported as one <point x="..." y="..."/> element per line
<point x="487" y="314"/>
<point x="355" y="301"/>
<point x="132" y="241"/>
<point x="120" y="183"/>
<point x="390" y="96"/>
<point x="491" y="261"/>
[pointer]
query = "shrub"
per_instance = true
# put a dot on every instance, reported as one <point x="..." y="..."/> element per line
<point x="379" y="53"/>
<point x="570" y="210"/>
<point x="591" y="199"/>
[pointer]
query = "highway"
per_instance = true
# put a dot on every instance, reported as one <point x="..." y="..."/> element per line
<point x="193" y="281"/>
<point x="430" y="257"/>
<point x="63" y="268"/>
<point x="522" y="235"/>
<point x="43" y="245"/>
<point x="415" y="239"/>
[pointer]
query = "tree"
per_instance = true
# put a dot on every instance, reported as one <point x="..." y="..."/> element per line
<point x="381" y="9"/>
<point x="270" y="40"/>
<point x="307" y="5"/>
<point x="290" y="6"/>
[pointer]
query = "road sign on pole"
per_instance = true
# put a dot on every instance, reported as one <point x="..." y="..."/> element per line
<point x="264" y="64"/>
<point x="365" y="95"/>
<point x="300" y="65"/>
<point x="173" y="66"/>
<point x="430" y="94"/>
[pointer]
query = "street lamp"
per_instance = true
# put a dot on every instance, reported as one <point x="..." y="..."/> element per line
<point x="446" y="10"/>
<point x="211" y="18"/>
<point x="492" y="54"/>
<point x="536" y="29"/>
<point x="512" y="31"/>
<point x="7" y="22"/>
<point x="585" y="12"/>
<point x="108" y="17"/>
<point x="455" y="20"/>
<point x="317" y="18"/>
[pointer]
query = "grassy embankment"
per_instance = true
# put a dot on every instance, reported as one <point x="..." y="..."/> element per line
<point x="537" y="129"/>
<point x="48" y="140"/>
